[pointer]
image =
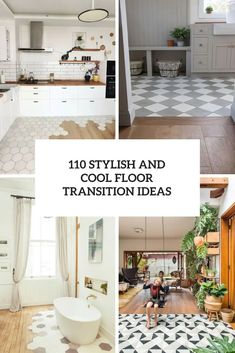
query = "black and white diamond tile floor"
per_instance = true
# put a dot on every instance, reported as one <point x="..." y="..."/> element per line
<point x="182" y="96"/>
<point x="174" y="333"/>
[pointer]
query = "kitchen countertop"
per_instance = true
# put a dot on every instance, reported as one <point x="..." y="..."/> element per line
<point x="63" y="83"/>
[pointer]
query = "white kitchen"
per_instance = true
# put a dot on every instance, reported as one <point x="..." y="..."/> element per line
<point x="57" y="72"/>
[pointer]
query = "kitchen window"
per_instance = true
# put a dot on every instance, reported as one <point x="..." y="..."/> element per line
<point x="219" y="7"/>
<point x="42" y="247"/>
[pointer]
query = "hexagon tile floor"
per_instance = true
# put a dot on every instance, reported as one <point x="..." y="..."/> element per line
<point x="17" y="147"/>
<point x="48" y="338"/>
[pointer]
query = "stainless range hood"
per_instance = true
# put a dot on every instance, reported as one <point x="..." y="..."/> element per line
<point x="36" y="39"/>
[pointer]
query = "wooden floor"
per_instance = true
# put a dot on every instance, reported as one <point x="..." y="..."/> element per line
<point x="90" y="131"/>
<point x="14" y="333"/>
<point x="217" y="136"/>
<point x="177" y="302"/>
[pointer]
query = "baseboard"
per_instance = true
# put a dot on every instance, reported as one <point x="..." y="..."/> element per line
<point x="107" y="334"/>
<point x="4" y="307"/>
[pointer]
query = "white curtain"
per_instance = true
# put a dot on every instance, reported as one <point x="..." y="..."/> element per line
<point x="22" y="222"/>
<point x="62" y="249"/>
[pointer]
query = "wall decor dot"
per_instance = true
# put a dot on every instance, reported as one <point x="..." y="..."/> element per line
<point x="102" y="47"/>
<point x="101" y="37"/>
<point x="111" y="34"/>
<point x="114" y="43"/>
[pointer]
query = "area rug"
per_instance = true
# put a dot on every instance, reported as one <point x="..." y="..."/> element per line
<point x="174" y="333"/>
<point x="48" y="338"/>
<point x="125" y="298"/>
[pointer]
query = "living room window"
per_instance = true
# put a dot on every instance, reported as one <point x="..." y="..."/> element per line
<point x="219" y="8"/>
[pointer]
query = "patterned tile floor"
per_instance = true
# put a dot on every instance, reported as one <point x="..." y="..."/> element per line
<point x="17" y="147"/>
<point x="48" y="338"/>
<point x="174" y="333"/>
<point x="182" y="96"/>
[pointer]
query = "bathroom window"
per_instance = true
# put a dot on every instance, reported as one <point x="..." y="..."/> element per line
<point x="219" y="7"/>
<point x="42" y="247"/>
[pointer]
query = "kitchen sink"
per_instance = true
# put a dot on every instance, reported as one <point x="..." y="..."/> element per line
<point x="4" y="90"/>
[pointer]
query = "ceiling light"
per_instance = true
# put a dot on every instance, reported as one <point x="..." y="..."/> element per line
<point x="139" y="230"/>
<point x="93" y="14"/>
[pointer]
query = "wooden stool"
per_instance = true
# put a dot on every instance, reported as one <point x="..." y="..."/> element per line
<point x="213" y="315"/>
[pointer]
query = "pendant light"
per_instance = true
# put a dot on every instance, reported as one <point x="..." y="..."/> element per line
<point x="93" y="14"/>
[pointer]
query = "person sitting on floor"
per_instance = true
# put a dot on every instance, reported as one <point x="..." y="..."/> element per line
<point x="166" y="288"/>
<point x="154" y="301"/>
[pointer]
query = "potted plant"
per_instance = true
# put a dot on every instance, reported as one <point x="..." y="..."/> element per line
<point x="217" y="345"/>
<point x="210" y="273"/>
<point x="210" y="296"/>
<point x="209" y="10"/>
<point x="181" y="34"/>
<point x="227" y="315"/>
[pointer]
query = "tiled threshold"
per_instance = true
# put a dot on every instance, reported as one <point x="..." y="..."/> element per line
<point x="17" y="147"/>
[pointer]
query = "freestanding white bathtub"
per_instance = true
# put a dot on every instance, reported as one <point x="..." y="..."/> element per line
<point x="78" y="320"/>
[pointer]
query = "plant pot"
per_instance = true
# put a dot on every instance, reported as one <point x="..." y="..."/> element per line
<point x="199" y="241"/>
<point x="170" y="43"/>
<point x="227" y="315"/>
<point x="180" y="43"/>
<point x="213" y="299"/>
<point x="96" y="78"/>
<point x="212" y="306"/>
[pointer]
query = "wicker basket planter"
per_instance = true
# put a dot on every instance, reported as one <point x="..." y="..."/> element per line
<point x="227" y="315"/>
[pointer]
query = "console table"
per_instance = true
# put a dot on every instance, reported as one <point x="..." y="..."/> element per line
<point x="149" y="58"/>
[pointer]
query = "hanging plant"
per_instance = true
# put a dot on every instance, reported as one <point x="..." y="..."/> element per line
<point x="208" y="220"/>
<point x="201" y="251"/>
<point x="199" y="240"/>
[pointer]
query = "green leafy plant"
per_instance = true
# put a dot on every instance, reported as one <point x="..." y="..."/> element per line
<point x="209" y="9"/>
<point x="210" y="288"/>
<point x="217" y="345"/>
<point x="195" y="288"/>
<point x="207" y="221"/>
<point x="187" y="242"/>
<point x="180" y="33"/>
<point x="201" y="251"/>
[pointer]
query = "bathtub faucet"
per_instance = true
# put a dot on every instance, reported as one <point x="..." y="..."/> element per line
<point x="91" y="296"/>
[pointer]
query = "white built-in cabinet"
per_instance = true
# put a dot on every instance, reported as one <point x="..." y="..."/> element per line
<point x="8" y="111"/>
<point x="211" y="53"/>
<point x="4" y="44"/>
<point x="65" y="101"/>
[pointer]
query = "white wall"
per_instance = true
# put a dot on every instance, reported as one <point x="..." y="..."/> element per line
<point x="62" y="39"/>
<point x="229" y="196"/>
<point x="9" y="67"/>
<point x="103" y="271"/>
<point x="151" y="245"/>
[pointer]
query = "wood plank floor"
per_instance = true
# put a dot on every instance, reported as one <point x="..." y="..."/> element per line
<point x="217" y="136"/>
<point x="14" y="333"/>
<point x="177" y="302"/>
<point x="90" y="131"/>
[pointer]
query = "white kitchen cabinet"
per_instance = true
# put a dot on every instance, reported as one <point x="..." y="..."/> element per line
<point x="63" y="107"/>
<point x="221" y="56"/>
<point x="8" y="111"/>
<point x="91" y="92"/>
<point x="65" y="101"/>
<point x="64" y="92"/>
<point x="34" y="108"/>
<point x="5" y="44"/>
<point x="211" y="53"/>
